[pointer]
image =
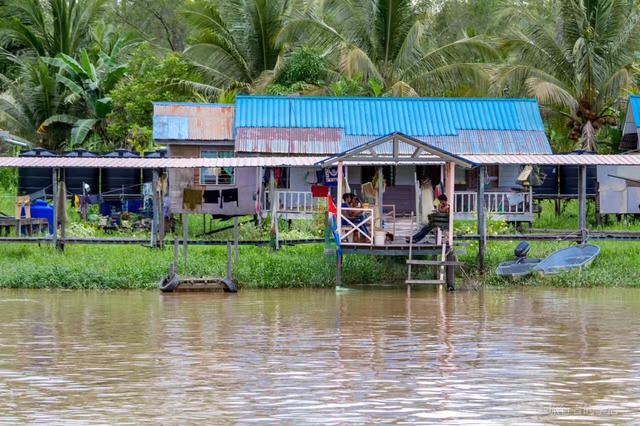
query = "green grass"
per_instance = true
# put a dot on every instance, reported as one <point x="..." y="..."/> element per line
<point x="111" y="267"/>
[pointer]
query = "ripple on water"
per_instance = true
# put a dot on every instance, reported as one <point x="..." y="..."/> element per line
<point x="534" y="356"/>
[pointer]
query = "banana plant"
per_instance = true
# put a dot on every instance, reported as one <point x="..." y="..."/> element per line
<point x="87" y="85"/>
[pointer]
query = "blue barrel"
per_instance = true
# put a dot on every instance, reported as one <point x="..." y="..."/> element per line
<point x="40" y="209"/>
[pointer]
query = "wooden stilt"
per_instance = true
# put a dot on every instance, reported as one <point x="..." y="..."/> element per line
<point x="236" y="238"/>
<point x="229" y="265"/>
<point x="339" y="199"/>
<point x="185" y="236"/>
<point x="482" y="224"/>
<point x="161" y="224"/>
<point x="273" y="198"/>
<point x="155" y="216"/>
<point x="582" y="202"/>
<point x="338" y="270"/>
<point x="380" y="197"/>
<point x="54" y="195"/>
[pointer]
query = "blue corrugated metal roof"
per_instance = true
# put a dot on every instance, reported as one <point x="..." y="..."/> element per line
<point x="634" y="100"/>
<point x="381" y="116"/>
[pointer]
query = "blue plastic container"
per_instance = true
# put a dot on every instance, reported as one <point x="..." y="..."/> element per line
<point x="41" y="209"/>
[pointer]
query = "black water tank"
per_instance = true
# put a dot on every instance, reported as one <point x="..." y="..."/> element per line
<point x="569" y="177"/>
<point x="114" y="180"/>
<point x="75" y="176"/>
<point x="550" y="184"/>
<point x="32" y="179"/>
<point x="147" y="174"/>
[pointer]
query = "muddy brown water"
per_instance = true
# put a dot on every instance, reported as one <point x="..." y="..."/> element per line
<point x="317" y="356"/>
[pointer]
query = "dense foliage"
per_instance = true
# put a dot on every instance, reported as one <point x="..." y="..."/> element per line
<point x="84" y="73"/>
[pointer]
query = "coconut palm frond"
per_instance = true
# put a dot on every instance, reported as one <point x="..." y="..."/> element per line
<point x="551" y="94"/>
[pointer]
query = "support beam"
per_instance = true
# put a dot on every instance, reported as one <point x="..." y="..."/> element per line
<point x="450" y="193"/>
<point x="236" y="238"/>
<point x="229" y="265"/>
<point x="155" y="216"/>
<point x="482" y="222"/>
<point x="54" y="196"/>
<point x="273" y="195"/>
<point x="380" y="197"/>
<point x="417" y="197"/>
<point x="582" y="202"/>
<point x="339" y="193"/>
<point x="185" y="236"/>
<point x="161" y="224"/>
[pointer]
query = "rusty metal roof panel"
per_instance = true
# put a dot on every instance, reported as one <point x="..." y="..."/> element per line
<point x="187" y="121"/>
<point x="294" y="141"/>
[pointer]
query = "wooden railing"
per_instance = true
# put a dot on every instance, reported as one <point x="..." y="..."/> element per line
<point x="497" y="203"/>
<point x="301" y="202"/>
<point x="357" y="232"/>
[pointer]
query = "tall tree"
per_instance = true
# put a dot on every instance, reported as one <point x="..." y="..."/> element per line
<point x="234" y="41"/>
<point x="48" y="27"/>
<point x="579" y="64"/>
<point x="386" y="40"/>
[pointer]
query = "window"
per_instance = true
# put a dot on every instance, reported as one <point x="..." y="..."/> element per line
<point x="217" y="175"/>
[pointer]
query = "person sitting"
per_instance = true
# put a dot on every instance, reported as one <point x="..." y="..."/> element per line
<point x="442" y="209"/>
<point x="349" y="202"/>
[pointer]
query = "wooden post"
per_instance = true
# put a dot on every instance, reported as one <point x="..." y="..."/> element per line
<point x="482" y="224"/>
<point x="236" y="238"/>
<point x="176" y="254"/>
<point x="273" y="198"/>
<point x="450" y="192"/>
<point x="185" y="236"/>
<point x="418" y="198"/>
<point x="339" y="199"/>
<point x="259" y="197"/>
<point x="154" y="216"/>
<point x="54" y="193"/>
<point x="582" y="202"/>
<point x="161" y="228"/>
<point x="380" y="196"/>
<point x="229" y="265"/>
<point x="63" y="222"/>
<point x="338" y="269"/>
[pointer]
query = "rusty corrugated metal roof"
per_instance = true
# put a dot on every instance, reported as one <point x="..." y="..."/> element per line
<point x="288" y="140"/>
<point x="187" y="121"/>
<point x="157" y="163"/>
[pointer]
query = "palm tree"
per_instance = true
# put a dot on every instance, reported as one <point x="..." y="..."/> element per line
<point x="579" y="64"/>
<point x="29" y="100"/>
<point x="387" y="40"/>
<point x="234" y="41"/>
<point x="48" y="27"/>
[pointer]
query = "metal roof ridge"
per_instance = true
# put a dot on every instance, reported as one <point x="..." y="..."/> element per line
<point x="372" y="98"/>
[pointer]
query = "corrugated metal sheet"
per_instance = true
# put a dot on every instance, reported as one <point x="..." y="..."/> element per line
<point x="157" y="163"/>
<point x="381" y="116"/>
<point x="288" y="140"/>
<point x="331" y="141"/>
<point x="555" y="160"/>
<point x="192" y="121"/>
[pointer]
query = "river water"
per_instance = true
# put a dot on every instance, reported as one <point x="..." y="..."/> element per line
<point x="317" y="356"/>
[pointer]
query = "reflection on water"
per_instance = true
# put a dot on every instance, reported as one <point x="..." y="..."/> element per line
<point x="317" y="356"/>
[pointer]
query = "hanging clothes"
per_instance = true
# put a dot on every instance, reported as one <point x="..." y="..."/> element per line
<point x="230" y="196"/>
<point x="192" y="198"/>
<point x="212" y="197"/>
<point x="318" y="191"/>
<point x="426" y="201"/>
<point x="311" y="177"/>
<point x="331" y="176"/>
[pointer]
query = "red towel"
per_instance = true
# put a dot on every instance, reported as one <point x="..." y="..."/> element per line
<point x="319" y="191"/>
